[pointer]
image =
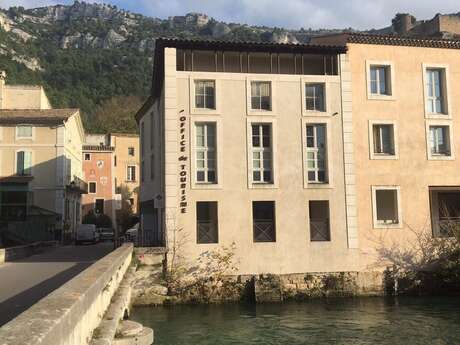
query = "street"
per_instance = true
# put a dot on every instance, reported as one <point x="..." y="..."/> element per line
<point x="26" y="281"/>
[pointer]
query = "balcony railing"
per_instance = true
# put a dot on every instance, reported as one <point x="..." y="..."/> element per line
<point x="264" y="230"/>
<point x="207" y="232"/>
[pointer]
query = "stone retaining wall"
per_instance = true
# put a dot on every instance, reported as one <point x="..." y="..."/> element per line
<point x="19" y="252"/>
<point x="69" y="314"/>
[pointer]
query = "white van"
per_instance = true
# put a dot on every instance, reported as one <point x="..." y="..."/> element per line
<point x="86" y="233"/>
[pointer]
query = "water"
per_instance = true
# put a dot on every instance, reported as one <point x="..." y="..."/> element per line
<point x="367" y="321"/>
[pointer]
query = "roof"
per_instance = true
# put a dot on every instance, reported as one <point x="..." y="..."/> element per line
<point x="342" y="39"/>
<point x="36" y="115"/>
<point x="213" y="45"/>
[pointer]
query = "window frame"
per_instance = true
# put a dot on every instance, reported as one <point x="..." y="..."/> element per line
<point x="274" y="222"/>
<point x="324" y="101"/>
<point x="219" y="149"/>
<point x="273" y="87"/>
<point x="128" y="173"/>
<point x="447" y="111"/>
<point x="329" y="240"/>
<point x="217" y="92"/>
<point x="17" y="137"/>
<point x="329" y="183"/>
<point x="440" y="123"/>
<point x="95" y="187"/>
<point x="375" y="223"/>
<point x="205" y="149"/>
<point x="390" y="77"/>
<point x="380" y="156"/>
<point x="275" y="180"/>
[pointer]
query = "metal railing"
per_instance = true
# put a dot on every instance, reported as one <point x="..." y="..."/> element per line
<point x="264" y="230"/>
<point x="319" y="230"/>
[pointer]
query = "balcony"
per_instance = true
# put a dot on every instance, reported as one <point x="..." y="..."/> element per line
<point x="77" y="186"/>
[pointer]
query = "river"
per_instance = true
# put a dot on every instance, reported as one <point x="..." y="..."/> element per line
<point x="361" y="321"/>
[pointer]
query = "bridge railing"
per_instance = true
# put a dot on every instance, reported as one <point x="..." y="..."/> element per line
<point x="69" y="314"/>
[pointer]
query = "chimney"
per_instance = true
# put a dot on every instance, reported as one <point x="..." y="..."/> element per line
<point x="2" y="87"/>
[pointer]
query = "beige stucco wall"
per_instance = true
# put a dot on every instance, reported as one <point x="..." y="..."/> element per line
<point x="292" y="252"/>
<point x="121" y="143"/>
<point x="24" y="97"/>
<point x="412" y="172"/>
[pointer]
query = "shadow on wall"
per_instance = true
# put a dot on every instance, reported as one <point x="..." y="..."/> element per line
<point x="38" y="202"/>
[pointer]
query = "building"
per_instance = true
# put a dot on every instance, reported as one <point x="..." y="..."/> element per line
<point x="247" y="143"/>
<point x="405" y="139"/>
<point x="126" y="165"/>
<point x="98" y="171"/>
<point x="40" y="165"/>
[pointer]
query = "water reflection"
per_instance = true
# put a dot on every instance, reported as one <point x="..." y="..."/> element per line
<point x="366" y="321"/>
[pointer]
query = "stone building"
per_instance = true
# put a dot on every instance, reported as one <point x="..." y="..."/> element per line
<point x="40" y="165"/>
<point x="244" y="143"/>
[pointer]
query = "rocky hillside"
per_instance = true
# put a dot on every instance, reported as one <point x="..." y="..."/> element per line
<point x="92" y="56"/>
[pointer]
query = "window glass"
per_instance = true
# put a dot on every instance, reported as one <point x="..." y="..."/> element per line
<point x="383" y="137"/>
<point x="319" y="220"/>
<point x="24" y="131"/>
<point x="386" y="201"/>
<point x="316" y="153"/>
<point x="314" y="97"/>
<point x="261" y="153"/>
<point x="380" y="80"/>
<point x="435" y="97"/>
<point x="131" y="173"/>
<point x="205" y="94"/>
<point x="439" y="140"/>
<point x="205" y="152"/>
<point x="261" y="95"/>
<point x="24" y="163"/>
<point x="92" y="187"/>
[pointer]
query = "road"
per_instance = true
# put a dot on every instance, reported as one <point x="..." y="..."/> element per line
<point x="26" y="281"/>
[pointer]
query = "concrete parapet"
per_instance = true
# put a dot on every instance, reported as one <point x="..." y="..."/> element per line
<point x="69" y="314"/>
<point x="19" y="252"/>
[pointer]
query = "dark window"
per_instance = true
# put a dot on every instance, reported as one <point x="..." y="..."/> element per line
<point x="131" y="151"/>
<point x="114" y="161"/>
<point x="263" y="216"/>
<point x="87" y="156"/>
<point x="92" y="187"/>
<point x="131" y="201"/>
<point x="206" y="222"/>
<point x="99" y="206"/>
<point x="319" y="221"/>
<point x="13" y="205"/>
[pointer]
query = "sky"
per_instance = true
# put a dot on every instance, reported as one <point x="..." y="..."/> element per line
<point x="294" y="14"/>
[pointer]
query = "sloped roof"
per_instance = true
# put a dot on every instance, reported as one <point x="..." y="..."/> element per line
<point x="393" y="40"/>
<point x="36" y="115"/>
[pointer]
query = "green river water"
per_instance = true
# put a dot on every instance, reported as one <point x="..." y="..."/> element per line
<point x="363" y="321"/>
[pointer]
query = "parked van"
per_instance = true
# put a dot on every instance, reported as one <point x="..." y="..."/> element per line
<point x="86" y="233"/>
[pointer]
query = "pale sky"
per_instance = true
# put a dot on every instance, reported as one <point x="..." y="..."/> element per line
<point x="359" y="14"/>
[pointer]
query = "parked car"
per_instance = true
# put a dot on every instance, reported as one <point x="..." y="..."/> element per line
<point x="106" y="234"/>
<point x="131" y="234"/>
<point x="86" y="233"/>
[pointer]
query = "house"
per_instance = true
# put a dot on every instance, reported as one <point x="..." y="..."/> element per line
<point x="40" y="165"/>
<point x="98" y="171"/>
<point x="405" y="139"/>
<point x="247" y="143"/>
<point x="126" y="165"/>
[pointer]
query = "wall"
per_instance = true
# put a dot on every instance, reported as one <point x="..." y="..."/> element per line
<point x="121" y="143"/>
<point x="69" y="314"/>
<point x="412" y="172"/>
<point x="24" y="97"/>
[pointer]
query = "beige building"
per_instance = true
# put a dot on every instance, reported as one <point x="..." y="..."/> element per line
<point x="40" y="159"/>
<point x="245" y="144"/>
<point x="405" y="115"/>
<point x="126" y="165"/>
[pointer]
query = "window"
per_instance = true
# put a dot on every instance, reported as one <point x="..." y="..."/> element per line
<point x="131" y="173"/>
<point x="131" y="201"/>
<point x="87" y="156"/>
<point x="435" y="88"/>
<point x="92" y="187"/>
<point x="263" y="218"/>
<point x="206" y="153"/>
<point x="24" y="132"/>
<point x="206" y="222"/>
<point x="99" y="206"/>
<point x="24" y="163"/>
<point x="319" y="221"/>
<point x="152" y="167"/>
<point x="314" y="97"/>
<point x="380" y="80"/>
<point x="383" y="139"/>
<point x="261" y="95"/>
<point x="316" y="153"/>
<point x="205" y="95"/>
<point x="439" y="141"/>
<point x="262" y="153"/>
<point x="131" y="151"/>
<point x="386" y="207"/>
